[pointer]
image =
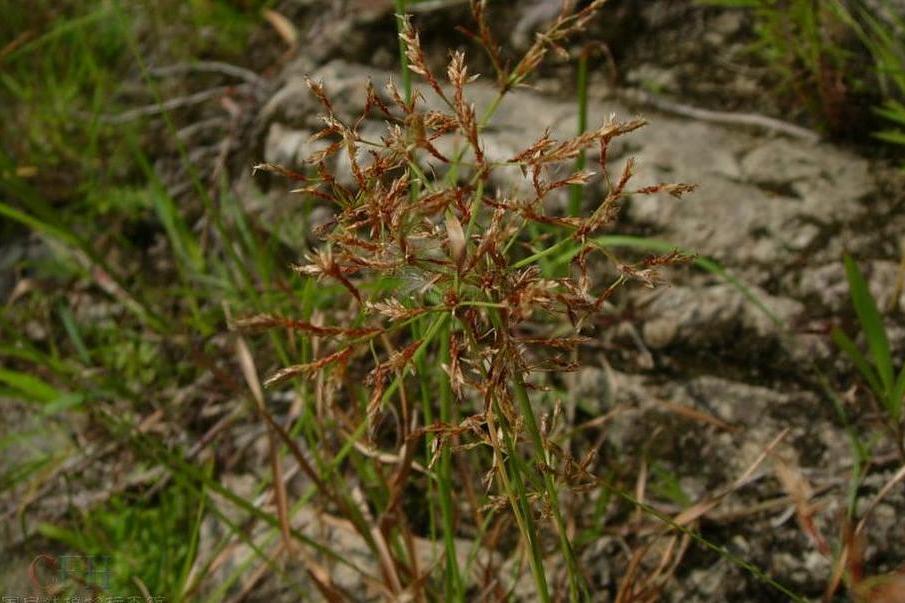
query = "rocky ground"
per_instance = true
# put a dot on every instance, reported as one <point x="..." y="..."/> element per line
<point x="694" y="378"/>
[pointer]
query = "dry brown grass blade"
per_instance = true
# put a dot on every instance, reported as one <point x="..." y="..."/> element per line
<point x="633" y="588"/>
<point x="246" y="363"/>
<point x="641" y="489"/>
<point x="801" y="493"/>
<point x="143" y="589"/>
<point x="284" y="28"/>
<point x="887" y="588"/>
<point x="362" y="525"/>
<point x="382" y="548"/>
<point x="836" y="575"/>
<point x="455" y="237"/>
<point x="851" y="559"/>
<point x="694" y="414"/>
<point x="269" y="321"/>
<point x="702" y="508"/>
<point x="898" y="477"/>
<point x="626" y="592"/>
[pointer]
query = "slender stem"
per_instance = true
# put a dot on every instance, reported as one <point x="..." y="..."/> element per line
<point x="491" y="109"/>
<point x="403" y="60"/>
<point x="454" y="588"/>
<point x="480" y="304"/>
<point x="543" y="253"/>
<point x="508" y="467"/>
<point x="577" y="588"/>
<point x="475" y="209"/>
<point x="514" y="487"/>
<point x="576" y="190"/>
<point x="576" y="584"/>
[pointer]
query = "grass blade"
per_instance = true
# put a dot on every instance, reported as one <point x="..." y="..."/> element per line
<point x="897" y="398"/>
<point x="871" y="323"/>
<point x="851" y="350"/>
<point x="32" y="387"/>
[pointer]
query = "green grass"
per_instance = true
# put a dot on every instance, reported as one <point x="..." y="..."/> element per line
<point x="887" y="49"/>
<point x="829" y="57"/>
<point x="796" y="40"/>
<point x="876" y="367"/>
<point x="155" y="544"/>
<point x="79" y="184"/>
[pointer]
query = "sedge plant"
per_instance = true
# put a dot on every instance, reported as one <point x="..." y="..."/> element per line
<point x="440" y="274"/>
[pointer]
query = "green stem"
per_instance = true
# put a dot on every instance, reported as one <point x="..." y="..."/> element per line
<point x="577" y="589"/>
<point x="515" y="488"/>
<point x="518" y="500"/>
<point x="454" y="588"/>
<point x="559" y="245"/>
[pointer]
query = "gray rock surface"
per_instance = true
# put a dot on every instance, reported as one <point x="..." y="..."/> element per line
<point x="710" y="316"/>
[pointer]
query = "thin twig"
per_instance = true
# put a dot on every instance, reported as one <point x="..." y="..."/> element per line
<point x="771" y="124"/>
<point x="427" y="6"/>
<point x="168" y="105"/>
<point x="209" y="67"/>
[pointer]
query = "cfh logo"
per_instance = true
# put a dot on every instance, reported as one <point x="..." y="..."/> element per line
<point x="89" y="571"/>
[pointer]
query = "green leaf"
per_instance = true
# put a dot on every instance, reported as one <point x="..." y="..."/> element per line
<point x="897" y="399"/>
<point x="63" y="402"/>
<point x="70" y="538"/>
<point x="851" y="350"/>
<point x="892" y="136"/>
<point x="33" y="387"/>
<point x="893" y="111"/>
<point x="72" y="330"/>
<point x="871" y="323"/>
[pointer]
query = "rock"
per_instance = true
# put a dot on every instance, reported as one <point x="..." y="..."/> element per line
<point x="653" y="78"/>
<point x="829" y="181"/>
<point x="712" y="316"/>
<point x="733" y="402"/>
<point x="827" y="286"/>
<point x="292" y="104"/>
<point x="781" y="162"/>
<point x="883" y="280"/>
<point x="591" y="388"/>
<point x="715" y="219"/>
<point x="727" y="23"/>
<point x="285" y="146"/>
